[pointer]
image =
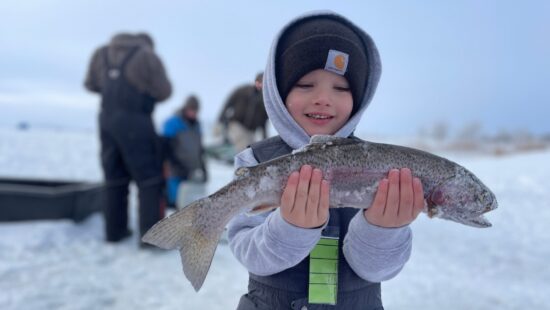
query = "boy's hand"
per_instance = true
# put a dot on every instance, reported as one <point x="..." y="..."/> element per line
<point x="305" y="200"/>
<point x="398" y="201"/>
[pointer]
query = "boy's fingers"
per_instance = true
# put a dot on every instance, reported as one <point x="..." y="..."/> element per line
<point x="303" y="189"/>
<point x="418" y="197"/>
<point x="289" y="193"/>
<point x="406" y="195"/>
<point x="314" y="192"/>
<point x="392" y="202"/>
<point x="322" y="211"/>
<point x="379" y="202"/>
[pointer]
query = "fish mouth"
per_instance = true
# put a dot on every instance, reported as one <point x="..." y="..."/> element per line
<point x="479" y="221"/>
<point x="491" y="206"/>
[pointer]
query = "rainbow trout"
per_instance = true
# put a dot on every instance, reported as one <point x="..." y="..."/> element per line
<point x="354" y="169"/>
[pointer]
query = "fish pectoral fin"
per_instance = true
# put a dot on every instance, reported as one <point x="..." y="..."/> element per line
<point x="261" y="209"/>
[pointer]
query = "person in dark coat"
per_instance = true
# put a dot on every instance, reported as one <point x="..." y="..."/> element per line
<point x="243" y="114"/>
<point x="131" y="80"/>
<point x="185" y="152"/>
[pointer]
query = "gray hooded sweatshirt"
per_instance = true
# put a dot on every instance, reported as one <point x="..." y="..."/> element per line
<point x="266" y="244"/>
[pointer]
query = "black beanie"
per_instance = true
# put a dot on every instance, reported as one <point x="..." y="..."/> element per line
<point x="321" y="42"/>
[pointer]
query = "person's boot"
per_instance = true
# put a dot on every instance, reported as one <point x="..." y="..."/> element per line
<point x="120" y="237"/>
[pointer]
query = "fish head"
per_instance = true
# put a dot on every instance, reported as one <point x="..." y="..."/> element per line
<point x="462" y="198"/>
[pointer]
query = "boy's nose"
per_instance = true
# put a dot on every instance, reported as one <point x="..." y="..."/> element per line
<point x="322" y="98"/>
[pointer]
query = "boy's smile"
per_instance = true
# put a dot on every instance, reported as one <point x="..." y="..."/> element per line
<point x="320" y="102"/>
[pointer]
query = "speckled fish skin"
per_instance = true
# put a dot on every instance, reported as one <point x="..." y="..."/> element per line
<point x="354" y="169"/>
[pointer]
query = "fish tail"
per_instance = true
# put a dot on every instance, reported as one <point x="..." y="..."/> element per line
<point x="192" y="231"/>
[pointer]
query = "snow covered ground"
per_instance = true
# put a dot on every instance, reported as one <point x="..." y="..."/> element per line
<point x="63" y="265"/>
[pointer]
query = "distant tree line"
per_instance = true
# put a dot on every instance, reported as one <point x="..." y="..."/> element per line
<point x="471" y="137"/>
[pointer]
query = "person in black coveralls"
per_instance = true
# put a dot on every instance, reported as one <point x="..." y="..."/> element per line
<point x="131" y="79"/>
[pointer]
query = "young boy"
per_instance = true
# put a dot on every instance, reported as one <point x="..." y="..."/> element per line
<point x="321" y="75"/>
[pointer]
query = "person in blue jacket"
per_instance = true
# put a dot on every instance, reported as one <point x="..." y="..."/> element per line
<point x="185" y="153"/>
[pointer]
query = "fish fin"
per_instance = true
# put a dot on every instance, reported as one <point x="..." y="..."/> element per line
<point x="166" y="233"/>
<point x="197" y="254"/>
<point x="242" y="172"/>
<point x="321" y="141"/>
<point x="185" y="230"/>
<point x="261" y="209"/>
<point x="331" y="140"/>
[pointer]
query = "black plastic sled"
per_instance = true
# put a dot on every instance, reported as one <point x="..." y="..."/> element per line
<point x="28" y="199"/>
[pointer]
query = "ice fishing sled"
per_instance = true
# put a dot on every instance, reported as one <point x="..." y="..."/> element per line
<point x="35" y="199"/>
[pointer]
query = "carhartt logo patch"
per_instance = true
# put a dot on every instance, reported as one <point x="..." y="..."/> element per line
<point x="337" y="62"/>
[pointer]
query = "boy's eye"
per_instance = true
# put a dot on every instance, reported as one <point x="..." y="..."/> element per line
<point x="342" y="88"/>
<point x="303" y="85"/>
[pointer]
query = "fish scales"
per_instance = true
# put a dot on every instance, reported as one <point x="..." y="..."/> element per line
<point x="353" y="163"/>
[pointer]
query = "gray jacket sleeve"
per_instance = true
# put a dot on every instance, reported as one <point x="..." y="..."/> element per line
<point x="159" y="86"/>
<point x="376" y="253"/>
<point x="92" y="80"/>
<point x="146" y="71"/>
<point x="266" y="244"/>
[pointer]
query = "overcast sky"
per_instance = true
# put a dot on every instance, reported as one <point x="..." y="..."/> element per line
<point x="443" y="61"/>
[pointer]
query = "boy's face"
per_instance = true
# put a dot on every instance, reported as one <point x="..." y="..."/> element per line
<point x="320" y="102"/>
